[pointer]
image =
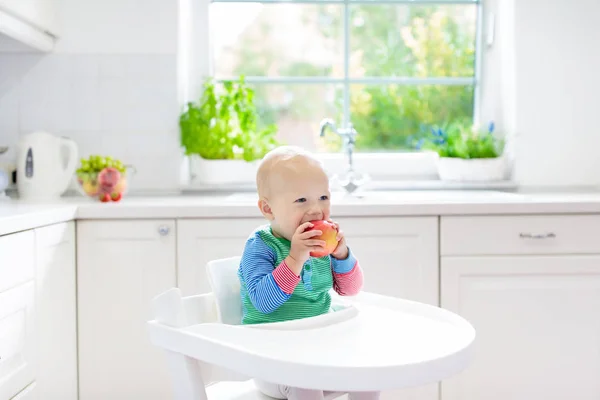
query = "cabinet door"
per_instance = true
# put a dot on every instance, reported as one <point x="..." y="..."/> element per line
<point x="121" y="266"/>
<point x="17" y="339"/>
<point x="399" y="257"/>
<point x="56" y="315"/>
<point x="538" y="326"/>
<point x="202" y="240"/>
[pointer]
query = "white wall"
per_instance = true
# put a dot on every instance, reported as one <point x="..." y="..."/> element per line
<point x="111" y="84"/>
<point x="557" y="81"/>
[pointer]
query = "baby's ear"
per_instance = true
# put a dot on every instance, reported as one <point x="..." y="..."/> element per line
<point x="265" y="209"/>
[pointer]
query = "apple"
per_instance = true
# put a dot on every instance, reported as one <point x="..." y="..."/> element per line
<point x="121" y="185"/>
<point x="104" y="197"/>
<point x="116" y="196"/>
<point x="108" y="178"/>
<point x="328" y="234"/>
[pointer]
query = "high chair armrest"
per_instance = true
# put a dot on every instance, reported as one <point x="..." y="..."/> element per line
<point x="171" y="309"/>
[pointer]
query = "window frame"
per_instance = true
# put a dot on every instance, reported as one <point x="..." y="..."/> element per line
<point x="411" y="165"/>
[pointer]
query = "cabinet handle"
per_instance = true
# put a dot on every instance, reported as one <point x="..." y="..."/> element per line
<point x="538" y="236"/>
<point x="163" y="230"/>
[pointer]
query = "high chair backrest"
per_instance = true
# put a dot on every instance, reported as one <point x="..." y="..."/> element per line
<point x="225" y="285"/>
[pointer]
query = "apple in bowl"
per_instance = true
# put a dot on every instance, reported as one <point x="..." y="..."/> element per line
<point x="103" y="178"/>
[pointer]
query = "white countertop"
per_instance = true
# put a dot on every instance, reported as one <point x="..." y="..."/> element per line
<point x="16" y="215"/>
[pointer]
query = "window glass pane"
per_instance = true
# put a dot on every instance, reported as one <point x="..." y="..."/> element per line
<point x="276" y="40"/>
<point x="412" y="40"/>
<point x="298" y="109"/>
<point x="391" y="117"/>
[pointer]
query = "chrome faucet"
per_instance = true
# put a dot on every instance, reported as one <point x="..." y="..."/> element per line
<point x="352" y="180"/>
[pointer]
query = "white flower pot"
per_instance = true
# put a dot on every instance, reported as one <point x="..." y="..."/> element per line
<point x="472" y="170"/>
<point x="216" y="172"/>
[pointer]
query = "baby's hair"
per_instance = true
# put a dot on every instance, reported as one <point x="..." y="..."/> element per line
<point x="279" y="157"/>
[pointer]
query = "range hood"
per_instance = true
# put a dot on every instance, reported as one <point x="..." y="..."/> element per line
<point x="25" y="33"/>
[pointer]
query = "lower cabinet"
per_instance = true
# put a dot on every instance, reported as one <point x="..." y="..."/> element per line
<point x="536" y="315"/>
<point x="399" y="257"/>
<point x="18" y="361"/>
<point x="56" y="313"/>
<point x="538" y="326"/>
<point x="18" y="350"/>
<point x="202" y="240"/>
<point x="121" y="266"/>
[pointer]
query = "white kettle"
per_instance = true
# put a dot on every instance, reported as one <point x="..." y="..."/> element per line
<point x="41" y="171"/>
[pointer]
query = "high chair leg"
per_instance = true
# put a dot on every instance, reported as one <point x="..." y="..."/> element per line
<point x="186" y="377"/>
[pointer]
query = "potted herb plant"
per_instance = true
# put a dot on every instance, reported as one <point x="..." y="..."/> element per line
<point x="220" y="134"/>
<point x="467" y="154"/>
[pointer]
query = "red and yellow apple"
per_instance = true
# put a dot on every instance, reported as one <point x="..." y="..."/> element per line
<point x="328" y="234"/>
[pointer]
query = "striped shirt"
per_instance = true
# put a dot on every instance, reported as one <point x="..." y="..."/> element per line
<point x="271" y="292"/>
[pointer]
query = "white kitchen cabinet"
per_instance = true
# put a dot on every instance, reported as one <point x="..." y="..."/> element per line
<point x="42" y="14"/>
<point x="202" y="240"/>
<point x="121" y="266"/>
<point x="520" y="234"/>
<point x="18" y="361"/>
<point x="56" y="312"/>
<point x="17" y="259"/>
<point x="399" y="257"/>
<point x="17" y="339"/>
<point x="537" y="322"/>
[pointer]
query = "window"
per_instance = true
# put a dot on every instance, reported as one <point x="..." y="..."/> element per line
<point x="391" y="68"/>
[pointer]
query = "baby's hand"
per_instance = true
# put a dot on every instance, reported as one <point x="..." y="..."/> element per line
<point x="302" y="244"/>
<point x="341" y="251"/>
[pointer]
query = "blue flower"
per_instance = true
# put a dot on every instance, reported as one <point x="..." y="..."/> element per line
<point x="420" y="143"/>
<point x="491" y="127"/>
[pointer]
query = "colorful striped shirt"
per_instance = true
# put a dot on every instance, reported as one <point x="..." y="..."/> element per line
<point x="271" y="292"/>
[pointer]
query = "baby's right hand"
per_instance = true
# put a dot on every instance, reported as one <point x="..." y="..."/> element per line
<point x="302" y="244"/>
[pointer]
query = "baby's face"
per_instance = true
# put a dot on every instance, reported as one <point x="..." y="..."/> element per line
<point x="298" y="197"/>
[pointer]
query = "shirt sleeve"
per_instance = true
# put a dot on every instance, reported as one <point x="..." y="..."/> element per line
<point x="347" y="275"/>
<point x="268" y="286"/>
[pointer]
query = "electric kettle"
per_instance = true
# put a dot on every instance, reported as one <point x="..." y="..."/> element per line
<point x="41" y="170"/>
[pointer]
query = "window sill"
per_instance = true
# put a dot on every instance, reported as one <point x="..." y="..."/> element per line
<point x="387" y="171"/>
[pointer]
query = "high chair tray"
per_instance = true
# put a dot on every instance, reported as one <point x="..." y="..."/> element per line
<point x="377" y="343"/>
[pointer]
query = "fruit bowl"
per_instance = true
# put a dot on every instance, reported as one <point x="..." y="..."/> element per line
<point x="103" y="179"/>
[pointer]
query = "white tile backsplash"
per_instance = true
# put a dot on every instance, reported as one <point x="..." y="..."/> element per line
<point x="120" y="105"/>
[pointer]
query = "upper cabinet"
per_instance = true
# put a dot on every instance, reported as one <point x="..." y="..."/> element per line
<point x="31" y="22"/>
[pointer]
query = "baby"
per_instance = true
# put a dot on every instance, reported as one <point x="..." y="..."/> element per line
<point x="280" y="281"/>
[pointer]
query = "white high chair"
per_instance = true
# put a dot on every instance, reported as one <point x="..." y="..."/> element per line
<point x="373" y="343"/>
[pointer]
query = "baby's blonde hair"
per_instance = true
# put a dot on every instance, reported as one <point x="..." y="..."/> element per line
<point x="281" y="157"/>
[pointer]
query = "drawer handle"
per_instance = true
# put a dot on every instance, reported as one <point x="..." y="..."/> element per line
<point x="538" y="236"/>
<point x="163" y="230"/>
